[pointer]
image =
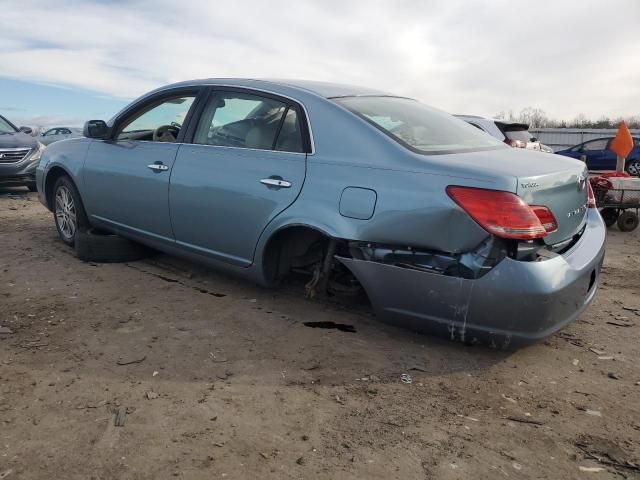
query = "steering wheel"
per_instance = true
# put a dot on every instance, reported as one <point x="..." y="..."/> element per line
<point x="166" y="133"/>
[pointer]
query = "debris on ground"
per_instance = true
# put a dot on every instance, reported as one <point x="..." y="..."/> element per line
<point x="613" y="375"/>
<point x="331" y="325"/>
<point x="6" y="473"/>
<point x="519" y="419"/>
<point x="151" y="395"/>
<point x="597" y="351"/>
<point x="605" y="451"/>
<point x="301" y="461"/>
<point x="591" y="469"/>
<point x="120" y="417"/>
<point x="406" y="378"/>
<point x="621" y="322"/>
<point x="5" y="330"/>
<point x="131" y="360"/>
<point x="418" y="367"/>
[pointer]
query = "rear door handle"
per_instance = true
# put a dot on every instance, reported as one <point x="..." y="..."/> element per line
<point x="158" y="167"/>
<point x="276" y="182"/>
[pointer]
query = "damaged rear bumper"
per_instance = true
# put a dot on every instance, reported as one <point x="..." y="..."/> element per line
<point x="516" y="302"/>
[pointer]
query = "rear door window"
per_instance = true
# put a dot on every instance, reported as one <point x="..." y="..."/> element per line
<point x="599" y="144"/>
<point x="244" y="120"/>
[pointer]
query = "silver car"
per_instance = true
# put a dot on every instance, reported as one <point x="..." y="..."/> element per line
<point x="447" y="229"/>
<point x="58" y="133"/>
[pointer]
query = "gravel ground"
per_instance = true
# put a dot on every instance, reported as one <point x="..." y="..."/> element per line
<point x="217" y="378"/>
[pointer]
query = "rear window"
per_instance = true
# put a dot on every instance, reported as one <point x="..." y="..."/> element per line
<point x="522" y="135"/>
<point x="420" y="128"/>
<point x="515" y="132"/>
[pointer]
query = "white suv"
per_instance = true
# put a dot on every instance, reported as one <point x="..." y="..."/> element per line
<point x="514" y="134"/>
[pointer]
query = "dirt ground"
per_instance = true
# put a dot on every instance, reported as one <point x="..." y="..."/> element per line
<point x="217" y="378"/>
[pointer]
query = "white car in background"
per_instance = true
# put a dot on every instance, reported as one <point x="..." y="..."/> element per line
<point x="512" y="133"/>
<point x="59" y="133"/>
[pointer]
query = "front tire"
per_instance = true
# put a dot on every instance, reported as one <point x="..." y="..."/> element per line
<point x="68" y="212"/>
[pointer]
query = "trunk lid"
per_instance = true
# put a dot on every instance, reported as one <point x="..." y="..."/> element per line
<point x="564" y="193"/>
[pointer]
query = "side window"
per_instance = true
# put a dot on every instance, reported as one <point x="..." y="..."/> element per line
<point x="599" y="144"/>
<point x="242" y="120"/>
<point x="159" y="123"/>
<point x="290" y="136"/>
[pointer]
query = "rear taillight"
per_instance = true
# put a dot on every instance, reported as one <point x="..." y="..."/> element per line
<point x="546" y="218"/>
<point x="515" y="143"/>
<point x="503" y="214"/>
<point x="591" y="199"/>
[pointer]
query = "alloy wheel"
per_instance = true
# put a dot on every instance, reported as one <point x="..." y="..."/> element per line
<point x="65" y="212"/>
<point x="634" y="168"/>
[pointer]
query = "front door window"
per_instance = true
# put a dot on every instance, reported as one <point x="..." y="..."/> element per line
<point x="160" y="123"/>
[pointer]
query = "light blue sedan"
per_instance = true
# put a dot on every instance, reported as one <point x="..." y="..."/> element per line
<point x="446" y="229"/>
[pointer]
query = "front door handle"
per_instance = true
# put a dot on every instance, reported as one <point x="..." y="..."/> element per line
<point x="158" y="167"/>
<point x="276" y="182"/>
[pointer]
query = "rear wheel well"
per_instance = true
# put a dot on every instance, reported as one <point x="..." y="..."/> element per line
<point x="292" y="247"/>
<point x="311" y="254"/>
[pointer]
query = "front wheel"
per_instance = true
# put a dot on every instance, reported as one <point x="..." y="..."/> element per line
<point x="633" y="168"/>
<point x="68" y="212"/>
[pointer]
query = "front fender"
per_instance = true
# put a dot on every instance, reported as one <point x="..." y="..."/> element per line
<point x="67" y="156"/>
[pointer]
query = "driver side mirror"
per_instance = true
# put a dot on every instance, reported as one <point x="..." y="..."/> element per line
<point x="27" y="130"/>
<point x="96" y="129"/>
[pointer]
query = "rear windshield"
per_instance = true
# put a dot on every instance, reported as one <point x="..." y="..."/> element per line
<point x="418" y="127"/>
<point x="5" y="126"/>
<point x="522" y="135"/>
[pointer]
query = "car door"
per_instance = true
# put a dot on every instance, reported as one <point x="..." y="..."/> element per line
<point x="245" y="164"/>
<point x="127" y="176"/>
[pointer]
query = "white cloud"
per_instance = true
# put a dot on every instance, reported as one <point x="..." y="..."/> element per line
<point x="463" y="56"/>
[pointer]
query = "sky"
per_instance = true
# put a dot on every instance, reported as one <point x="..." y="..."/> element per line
<point x="68" y="61"/>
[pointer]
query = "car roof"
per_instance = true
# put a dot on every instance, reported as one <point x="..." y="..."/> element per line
<point x="323" y="89"/>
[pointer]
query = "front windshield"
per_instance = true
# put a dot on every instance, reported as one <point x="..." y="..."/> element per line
<point x="6" y="127"/>
<point x="421" y="128"/>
